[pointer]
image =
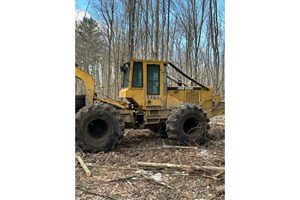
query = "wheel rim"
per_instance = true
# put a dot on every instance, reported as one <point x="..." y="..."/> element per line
<point x="190" y="124"/>
<point x="97" y="128"/>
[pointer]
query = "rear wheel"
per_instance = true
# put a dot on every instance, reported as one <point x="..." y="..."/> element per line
<point x="98" y="127"/>
<point x="188" y="123"/>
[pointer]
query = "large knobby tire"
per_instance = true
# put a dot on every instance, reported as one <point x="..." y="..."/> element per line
<point x="188" y="124"/>
<point x="98" y="127"/>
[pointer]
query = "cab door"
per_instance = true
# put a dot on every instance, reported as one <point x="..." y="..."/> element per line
<point x="154" y="85"/>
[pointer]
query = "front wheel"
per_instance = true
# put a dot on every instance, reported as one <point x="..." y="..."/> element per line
<point x="188" y="123"/>
<point x="98" y="127"/>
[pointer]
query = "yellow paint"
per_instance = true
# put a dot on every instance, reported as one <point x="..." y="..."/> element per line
<point x="112" y="102"/>
<point x="133" y="93"/>
<point x="172" y="98"/>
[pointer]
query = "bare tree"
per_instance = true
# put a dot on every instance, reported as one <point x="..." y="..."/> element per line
<point x="131" y="11"/>
<point x="188" y="33"/>
<point x="156" y="30"/>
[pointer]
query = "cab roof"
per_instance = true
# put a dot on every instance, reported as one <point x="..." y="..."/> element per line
<point x="149" y="61"/>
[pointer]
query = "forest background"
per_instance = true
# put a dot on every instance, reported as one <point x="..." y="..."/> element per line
<point x="190" y="34"/>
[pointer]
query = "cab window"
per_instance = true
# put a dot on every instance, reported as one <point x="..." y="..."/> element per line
<point x="137" y="80"/>
<point x="153" y="82"/>
<point x="125" y="75"/>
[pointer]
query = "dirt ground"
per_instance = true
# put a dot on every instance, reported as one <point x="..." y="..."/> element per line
<point x="116" y="174"/>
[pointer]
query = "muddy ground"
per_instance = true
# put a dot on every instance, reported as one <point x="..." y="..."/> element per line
<point x="116" y="174"/>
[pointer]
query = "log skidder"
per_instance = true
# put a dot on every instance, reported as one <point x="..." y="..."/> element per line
<point x="99" y="127"/>
<point x="188" y="123"/>
<point x="150" y="98"/>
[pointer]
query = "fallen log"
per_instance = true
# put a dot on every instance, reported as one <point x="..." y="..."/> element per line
<point x="177" y="147"/>
<point x="83" y="165"/>
<point x="176" y="166"/>
<point x="220" y="124"/>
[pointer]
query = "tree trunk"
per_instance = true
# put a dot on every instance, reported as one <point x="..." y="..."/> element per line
<point x="131" y="27"/>
<point x="156" y="30"/>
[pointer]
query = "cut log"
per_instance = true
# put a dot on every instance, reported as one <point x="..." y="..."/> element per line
<point x="178" y="147"/>
<point x="175" y="166"/>
<point x="83" y="165"/>
<point x="220" y="124"/>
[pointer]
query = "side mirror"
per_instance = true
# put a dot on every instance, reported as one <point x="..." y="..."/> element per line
<point x="124" y="67"/>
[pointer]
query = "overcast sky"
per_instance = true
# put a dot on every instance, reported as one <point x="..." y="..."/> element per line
<point x="79" y="14"/>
